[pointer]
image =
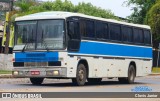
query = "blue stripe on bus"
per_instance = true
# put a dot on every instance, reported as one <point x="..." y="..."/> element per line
<point x="36" y="56"/>
<point x="114" y="50"/>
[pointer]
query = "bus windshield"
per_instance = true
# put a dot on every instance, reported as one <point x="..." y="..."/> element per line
<point x="40" y="35"/>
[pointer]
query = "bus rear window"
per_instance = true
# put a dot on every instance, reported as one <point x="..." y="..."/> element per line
<point x="147" y="37"/>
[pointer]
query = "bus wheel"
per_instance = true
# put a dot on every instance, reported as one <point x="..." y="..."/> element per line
<point x="81" y="76"/>
<point x="36" y="81"/>
<point x="94" y="80"/>
<point x="131" y="76"/>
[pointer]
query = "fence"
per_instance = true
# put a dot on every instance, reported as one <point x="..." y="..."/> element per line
<point x="155" y="57"/>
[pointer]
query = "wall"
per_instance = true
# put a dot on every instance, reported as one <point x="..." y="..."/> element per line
<point x="6" y="62"/>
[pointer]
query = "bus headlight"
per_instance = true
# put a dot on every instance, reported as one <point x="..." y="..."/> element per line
<point x="18" y="73"/>
<point x="51" y="73"/>
<point x="15" y="73"/>
<point x="56" y="72"/>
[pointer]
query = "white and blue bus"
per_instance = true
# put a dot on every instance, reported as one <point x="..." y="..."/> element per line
<point x="64" y="45"/>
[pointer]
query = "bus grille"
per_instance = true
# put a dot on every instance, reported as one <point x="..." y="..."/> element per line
<point x="37" y="64"/>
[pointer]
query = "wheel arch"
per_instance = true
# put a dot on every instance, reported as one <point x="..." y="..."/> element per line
<point x="84" y="61"/>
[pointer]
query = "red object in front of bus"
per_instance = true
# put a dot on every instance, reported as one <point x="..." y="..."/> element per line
<point x="35" y="72"/>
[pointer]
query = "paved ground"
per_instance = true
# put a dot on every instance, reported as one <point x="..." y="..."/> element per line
<point x="108" y="85"/>
<point x="54" y="85"/>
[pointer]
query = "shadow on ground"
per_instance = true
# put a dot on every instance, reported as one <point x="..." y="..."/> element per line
<point x="69" y="84"/>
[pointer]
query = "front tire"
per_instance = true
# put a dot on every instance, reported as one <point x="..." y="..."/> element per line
<point x="36" y="81"/>
<point x="131" y="76"/>
<point x="81" y="76"/>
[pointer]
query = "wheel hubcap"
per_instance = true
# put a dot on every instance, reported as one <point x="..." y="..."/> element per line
<point x="81" y="75"/>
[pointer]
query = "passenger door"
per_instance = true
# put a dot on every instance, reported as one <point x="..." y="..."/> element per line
<point x="73" y="36"/>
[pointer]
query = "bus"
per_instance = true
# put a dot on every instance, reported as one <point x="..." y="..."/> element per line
<point x="65" y="45"/>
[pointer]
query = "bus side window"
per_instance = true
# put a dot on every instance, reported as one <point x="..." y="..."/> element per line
<point x="71" y="29"/>
<point x="100" y="30"/>
<point x="83" y="28"/>
<point x="127" y="34"/>
<point x="106" y="34"/>
<point x="147" y="37"/>
<point x="74" y="36"/>
<point x="90" y="29"/>
<point x="138" y="36"/>
<point x="87" y="28"/>
<point x="115" y="32"/>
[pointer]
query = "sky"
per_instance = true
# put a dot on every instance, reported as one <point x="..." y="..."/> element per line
<point x="116" y="6"/>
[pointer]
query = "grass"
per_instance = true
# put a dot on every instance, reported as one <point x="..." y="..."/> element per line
<point x="156" y="70"/>
<point x="5" y="72"/>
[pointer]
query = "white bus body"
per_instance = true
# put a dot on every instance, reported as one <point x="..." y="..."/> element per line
<point x="101" y="58"/>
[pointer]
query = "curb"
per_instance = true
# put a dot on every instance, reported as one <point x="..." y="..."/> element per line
<point x="6" y="76"/>
<point x="154" y="74"/>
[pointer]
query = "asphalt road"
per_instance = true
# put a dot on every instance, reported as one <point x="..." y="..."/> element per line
<point x="54" y="85"/>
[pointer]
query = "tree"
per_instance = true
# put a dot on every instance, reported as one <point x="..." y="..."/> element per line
<point x="25" y="4"/>
<point x="153" y="19"/>
<point x="89" y="9"/>
<point x="32" y="6"/>
<point x="140" y="9"/>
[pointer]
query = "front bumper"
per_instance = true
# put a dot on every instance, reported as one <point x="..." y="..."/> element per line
<point x="40" y="72"/>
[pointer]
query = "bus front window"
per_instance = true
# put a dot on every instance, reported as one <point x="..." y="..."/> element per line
<point x="50" y="34"/>
<point x="40" y="35"/>
<point x="26" y="34"/>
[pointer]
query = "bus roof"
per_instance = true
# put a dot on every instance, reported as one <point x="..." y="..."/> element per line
<point x="64" y="15"/>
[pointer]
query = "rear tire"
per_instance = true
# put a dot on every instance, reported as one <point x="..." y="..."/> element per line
<point x="81" y="76"/>
<point x="94" y="80"/>
<point x="131" y="76"/>
<point x="36" y="81"/>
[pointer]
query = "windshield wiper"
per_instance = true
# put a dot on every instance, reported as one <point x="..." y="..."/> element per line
<point x="26" y="44"/>
<point x="44" y="42"/>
